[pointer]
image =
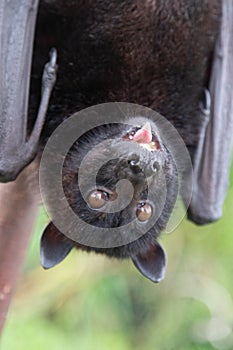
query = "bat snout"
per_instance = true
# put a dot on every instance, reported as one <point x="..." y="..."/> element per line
<point x="142" y="165"/>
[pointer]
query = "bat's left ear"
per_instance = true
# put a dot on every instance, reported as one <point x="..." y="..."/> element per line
<point x="54" y="246"/>
<point x="152" y="262"/>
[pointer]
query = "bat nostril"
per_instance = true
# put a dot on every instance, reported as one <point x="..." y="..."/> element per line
<point x="151" y="169"/>
<point x="134" y="159"/>
<point x="137" y="165"/>
<point x="155" y="167"/>
<point x="134" y="162"/>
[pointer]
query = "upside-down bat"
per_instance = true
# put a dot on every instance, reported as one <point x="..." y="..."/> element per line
<point x="172" y="56"/>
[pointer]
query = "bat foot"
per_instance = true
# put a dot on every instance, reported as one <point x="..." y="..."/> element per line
<point x="14" y="158"/>
<point x="50" y="70"/>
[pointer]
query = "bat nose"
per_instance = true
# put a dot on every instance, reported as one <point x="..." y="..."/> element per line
<point x="151" y="168"/>
<point x="139" y="165"/>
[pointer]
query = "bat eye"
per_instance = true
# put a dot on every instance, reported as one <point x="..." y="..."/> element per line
<point x="144" y="211"/>
<point x="97" y="199"/>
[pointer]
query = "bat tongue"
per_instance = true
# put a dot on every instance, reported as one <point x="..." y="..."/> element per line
<point x="143" y="135"/>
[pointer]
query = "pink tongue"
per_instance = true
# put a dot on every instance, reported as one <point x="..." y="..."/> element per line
<point x="143" y="135"/>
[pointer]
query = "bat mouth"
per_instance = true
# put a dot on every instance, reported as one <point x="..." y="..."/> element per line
<point x="154" y="145"/>
<point x="143" y="136"/>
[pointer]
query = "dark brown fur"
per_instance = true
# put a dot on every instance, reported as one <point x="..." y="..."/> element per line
<point x="155" y="53"/>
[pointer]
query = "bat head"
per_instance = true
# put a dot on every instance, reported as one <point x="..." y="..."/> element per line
<point x="135" y="181"/>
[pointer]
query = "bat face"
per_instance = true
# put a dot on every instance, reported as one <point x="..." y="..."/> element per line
<point x="143" y="165"/>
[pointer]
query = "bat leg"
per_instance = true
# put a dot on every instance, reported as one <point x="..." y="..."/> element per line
<point x="13" y="161"/>
<point x="48" y="81"/>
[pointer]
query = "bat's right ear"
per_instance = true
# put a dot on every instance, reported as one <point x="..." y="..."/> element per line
<point x="54" y="247"/>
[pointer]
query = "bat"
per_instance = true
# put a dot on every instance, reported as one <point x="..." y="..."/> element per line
<point x="176" y="59"/>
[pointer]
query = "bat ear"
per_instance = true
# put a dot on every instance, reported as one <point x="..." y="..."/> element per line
<point x="152" y="263"/>
<point x="54" y="247"/>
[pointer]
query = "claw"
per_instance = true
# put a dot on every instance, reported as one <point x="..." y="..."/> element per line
<point x="206" y="102"/>
<point x="53" y="57"/>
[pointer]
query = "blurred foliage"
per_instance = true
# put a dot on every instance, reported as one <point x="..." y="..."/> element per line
<point x="90" y="302"/>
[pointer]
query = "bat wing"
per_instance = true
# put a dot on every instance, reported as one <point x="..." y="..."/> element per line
<point x="214" y="153"/>
<point x="17" y="27"/>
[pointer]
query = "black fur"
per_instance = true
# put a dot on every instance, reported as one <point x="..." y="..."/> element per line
<point x="156" y="53"/>
<point x="108" y="176"/>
